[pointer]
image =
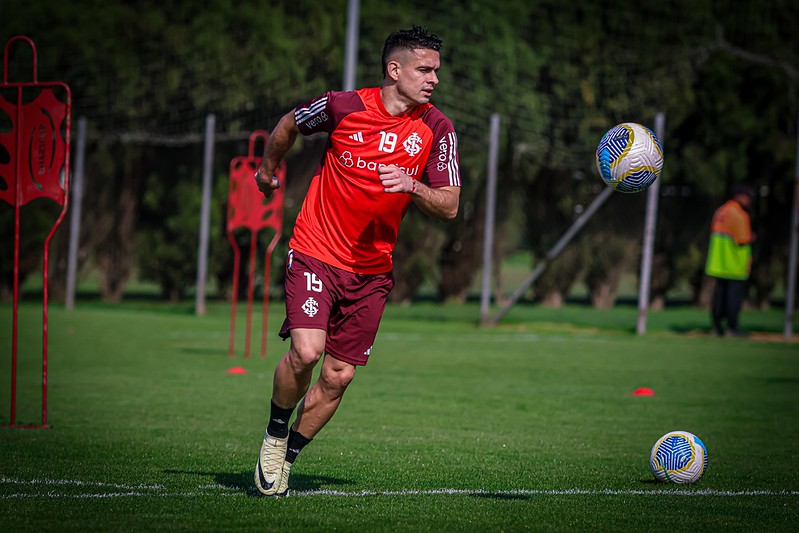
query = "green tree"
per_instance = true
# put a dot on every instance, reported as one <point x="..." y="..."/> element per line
<point x="146" y="75"/>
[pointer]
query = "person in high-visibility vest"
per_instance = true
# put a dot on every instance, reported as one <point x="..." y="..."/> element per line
<point x="729" y="259"/>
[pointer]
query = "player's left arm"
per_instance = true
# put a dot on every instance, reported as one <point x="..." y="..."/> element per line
<point x="439" y="202"/>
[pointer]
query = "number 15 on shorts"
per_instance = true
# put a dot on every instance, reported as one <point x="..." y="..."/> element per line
<point x="312" y="283"/>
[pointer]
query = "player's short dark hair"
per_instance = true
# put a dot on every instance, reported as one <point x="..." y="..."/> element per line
<point x="413" y="39"/>
<point x="742" y="189"/>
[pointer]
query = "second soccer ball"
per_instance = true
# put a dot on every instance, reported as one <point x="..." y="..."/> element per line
<point x="678" y="457"/>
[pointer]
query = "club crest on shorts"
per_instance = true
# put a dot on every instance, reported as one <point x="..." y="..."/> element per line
<point x="311" y="307"/>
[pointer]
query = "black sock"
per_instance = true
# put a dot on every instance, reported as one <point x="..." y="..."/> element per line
<point x="296" y="443"/>
<point x="279" y="421"/>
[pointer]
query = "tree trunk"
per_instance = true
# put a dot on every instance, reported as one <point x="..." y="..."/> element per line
<point x="553" y="299"/>
<point x="115" y="248"/>
<point x="658" y="302"/>
<point x="706" y="289"/>
<point x="461" y="255"/>
<point x="603" y="295"/>
<point x="612" y="258"/>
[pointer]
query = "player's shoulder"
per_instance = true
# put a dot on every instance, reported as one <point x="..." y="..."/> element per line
<point x="436" y="119"/>
<point x="335" y="105"/>
<point x="346" y="96"/>
<point x="345" y="102"/>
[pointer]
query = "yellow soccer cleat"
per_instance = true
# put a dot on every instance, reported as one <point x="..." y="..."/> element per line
<point x="271" y="466"/>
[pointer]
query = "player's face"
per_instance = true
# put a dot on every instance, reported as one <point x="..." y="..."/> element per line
<point x="417" y="75"/>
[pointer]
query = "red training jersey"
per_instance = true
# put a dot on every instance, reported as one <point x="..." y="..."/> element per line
<point x="347" y="220"/>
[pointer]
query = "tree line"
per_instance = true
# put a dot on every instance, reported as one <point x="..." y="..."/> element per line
<point x="146" y="74"/>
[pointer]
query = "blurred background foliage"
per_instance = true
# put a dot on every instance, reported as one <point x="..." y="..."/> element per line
<point x="146" y="73"/>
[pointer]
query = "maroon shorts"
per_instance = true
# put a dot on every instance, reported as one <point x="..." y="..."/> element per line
<point x="346" y="305"/>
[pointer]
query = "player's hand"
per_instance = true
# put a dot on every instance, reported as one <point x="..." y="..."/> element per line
<point x="395" y="180"/>
<point x="266" y="185"/>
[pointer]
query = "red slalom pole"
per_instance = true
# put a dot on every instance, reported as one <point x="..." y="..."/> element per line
<point x="250" y="291"/>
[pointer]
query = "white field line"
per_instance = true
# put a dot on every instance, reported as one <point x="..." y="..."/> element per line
<point x="550" y="492"/>
<point x="75" y="483"/>
<point x="160" y="491"/>
<point x="107" y="495"/>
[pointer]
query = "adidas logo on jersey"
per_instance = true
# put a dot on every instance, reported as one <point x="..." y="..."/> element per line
<point x="357" y="137"/>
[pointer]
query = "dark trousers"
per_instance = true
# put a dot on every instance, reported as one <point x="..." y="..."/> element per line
<point x="728" y="297"/>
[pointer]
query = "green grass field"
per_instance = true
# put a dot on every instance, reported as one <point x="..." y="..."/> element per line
<point x="528" y="426"/>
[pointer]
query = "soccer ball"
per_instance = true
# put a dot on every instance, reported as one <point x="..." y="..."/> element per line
<point x="678" y="457"/>
<point x="629" y="157"/>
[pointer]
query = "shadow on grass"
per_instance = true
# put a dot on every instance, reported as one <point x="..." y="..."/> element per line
<point x="244" y="481"/>
<point x="782" y="381"/>
<point x="691" y="329"/>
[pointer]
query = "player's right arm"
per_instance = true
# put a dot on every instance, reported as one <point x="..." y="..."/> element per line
<point x="279" y="142"/>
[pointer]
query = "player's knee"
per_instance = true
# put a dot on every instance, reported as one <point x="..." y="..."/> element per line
<point x="338" y="377"/>
<point x="304" y="355"/>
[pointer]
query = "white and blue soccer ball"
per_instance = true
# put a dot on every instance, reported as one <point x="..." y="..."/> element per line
<point x="629" y="157"/>
<point x="678" y="457"/>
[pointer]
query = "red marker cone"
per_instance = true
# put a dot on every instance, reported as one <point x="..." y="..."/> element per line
<point x="236" y="370"/>
<point x="643" y="391"/>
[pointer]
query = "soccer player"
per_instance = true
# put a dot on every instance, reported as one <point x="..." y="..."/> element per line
<point x="383" y="141"/>
<point x="729" y="259"/>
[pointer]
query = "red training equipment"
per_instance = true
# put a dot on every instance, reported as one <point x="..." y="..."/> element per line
<point x="38" y="145"/>
<point x="249" y="209"/>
